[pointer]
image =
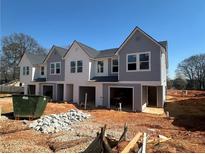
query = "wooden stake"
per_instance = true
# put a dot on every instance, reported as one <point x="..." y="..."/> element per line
<point x="144" y="143"/>
<point x="86" y="96"/>
<point x="132" y="143"/>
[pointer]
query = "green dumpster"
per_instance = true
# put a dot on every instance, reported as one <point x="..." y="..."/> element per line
<point x="29" y="106"/>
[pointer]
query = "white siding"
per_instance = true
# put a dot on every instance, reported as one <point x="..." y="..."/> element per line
<point x="25" y="79"/>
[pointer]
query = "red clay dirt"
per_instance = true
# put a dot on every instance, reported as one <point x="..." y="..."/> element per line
<point x="186" y="127"/>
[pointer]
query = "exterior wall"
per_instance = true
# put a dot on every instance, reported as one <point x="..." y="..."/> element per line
<point x="55" y="57"/>
<point x="136" y="44"/>
<point x="137" y="104"/>
<point x="25" y="79"/>
<point x="110" y="73"/>
<point x="75" y="54"/>
<point x="105" y="72"/>
<point x="38" y="72"/>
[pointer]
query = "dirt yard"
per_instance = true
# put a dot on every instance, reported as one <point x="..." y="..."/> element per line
<point x="185" y="127"/>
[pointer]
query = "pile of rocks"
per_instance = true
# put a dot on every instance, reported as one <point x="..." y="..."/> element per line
<point x="58" y="122"/>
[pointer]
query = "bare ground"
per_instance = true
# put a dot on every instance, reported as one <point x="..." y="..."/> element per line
<point x="186" y="127"/>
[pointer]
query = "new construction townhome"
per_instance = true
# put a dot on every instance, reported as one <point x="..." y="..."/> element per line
<point x="134" y="74"/>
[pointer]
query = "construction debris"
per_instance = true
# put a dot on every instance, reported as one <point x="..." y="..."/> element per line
<point x="163" y="138"/>
<point x="58" y="122"/>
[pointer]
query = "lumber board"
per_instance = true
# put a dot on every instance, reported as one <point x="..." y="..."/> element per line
<point x="132" y="143"/>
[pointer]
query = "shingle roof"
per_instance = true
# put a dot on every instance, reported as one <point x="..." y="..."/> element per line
<point x="35" y="59"/>
<point x="105" y="78"/>
<point x="107" y="53"/>
<point x="164" y="44"/>
<point x="61" y="51"/>
<point x="90" y="51"/>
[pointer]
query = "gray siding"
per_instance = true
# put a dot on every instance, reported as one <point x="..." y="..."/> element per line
<point x="55" y="57"/>
<point x="140" y="43"/>
<point x="137" y="94"/>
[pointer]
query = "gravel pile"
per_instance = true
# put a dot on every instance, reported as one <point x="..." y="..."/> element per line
<point x="58" y="122"/>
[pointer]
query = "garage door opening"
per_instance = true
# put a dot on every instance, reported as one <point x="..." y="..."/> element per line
<point x="152" y="96"/>
<point x="70" y="93"/>
<point x="123" y="96"/>
<point x="90" y="95"/>
<point x="48" y="91"/>
<point x="31" y="89"/>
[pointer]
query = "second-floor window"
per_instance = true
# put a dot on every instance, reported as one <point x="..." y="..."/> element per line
<point x="114" y="65"/>
<point x="100" y="68"/>
<point x="79" y="66"/>
<point x="76" y="66"/>
<point x="42" y="70"/>
<point x="72" y="66"/>
<point x="55" y="68"/>
<point x="138" y="62"/>
<point x="26" y="70"/>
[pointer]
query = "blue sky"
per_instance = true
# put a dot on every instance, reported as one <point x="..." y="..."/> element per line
<point x="106" y="23"/>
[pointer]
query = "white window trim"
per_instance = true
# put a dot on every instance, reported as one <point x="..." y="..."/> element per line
<point x="115" y="65"/>
<point x="71" y="67"/>
<point x="43" y="70"/>
<point x="138" y="62"/>
<point x="55" y="68"/>
<point x="103" y="67"/>
<point x="76" y="66"/>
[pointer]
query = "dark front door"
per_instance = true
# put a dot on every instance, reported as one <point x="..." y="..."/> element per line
<point x="48" y="91"/>
<point x="31" y="89"/>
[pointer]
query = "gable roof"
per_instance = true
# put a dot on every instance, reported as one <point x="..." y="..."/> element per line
<point x="135" y="29"/>
<point x="106" y="53"/>
<point x="61" y="51"/>
<point x="35" y="59"/>
<point x="91" y="52"/>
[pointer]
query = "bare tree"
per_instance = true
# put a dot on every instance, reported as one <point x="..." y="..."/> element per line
<point x="193" y="68"/>
<point x="13" y="48"/>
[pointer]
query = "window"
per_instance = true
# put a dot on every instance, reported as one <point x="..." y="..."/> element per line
<point x="138" y="62"/>
<point x="79" y="66"/>
<point x="24" y="70"/>
<point x="42" y="70"/>
<point x="144" y="61"/>
<point x="72" y="66"/>
<point x="100" y="67"/>
<point x="52" y="69"/>
<point x="114" y="65"/>
<point x="55" y="68"/>
<point x="132" y="62"/>
<point x="27" y="70"/>
<point x="58" y="68"/>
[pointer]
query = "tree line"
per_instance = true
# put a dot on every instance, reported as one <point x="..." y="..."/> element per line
<point x="12" y="49"/>
<point x="190" y="74"/>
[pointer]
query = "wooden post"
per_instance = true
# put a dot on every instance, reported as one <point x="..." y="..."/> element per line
<point x="86" y="96"/>
<point x="144" y="143"/>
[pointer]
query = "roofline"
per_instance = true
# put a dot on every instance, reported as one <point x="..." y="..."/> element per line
<point x="129" y="36"/>
<point x="21" y="59"/>
<point x="48" y="55"/>
<point x="69" y="49"/>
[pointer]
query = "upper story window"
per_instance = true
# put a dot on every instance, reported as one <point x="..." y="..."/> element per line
<point x="72" y="66"/>
<point x="55" y="68"/>
<point x="114" y="65"/>
<point x="26" y="70"/>
<point x="79" y="66"/>
<point x="100" y="68"/>
<point x="144" y="61"/>
<point x="42" y="71"/>
<point x="138" y="62"/>
<point x="58" y="68"/>
<point x="76" y="66"/>
<point x="132" y="62"/>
